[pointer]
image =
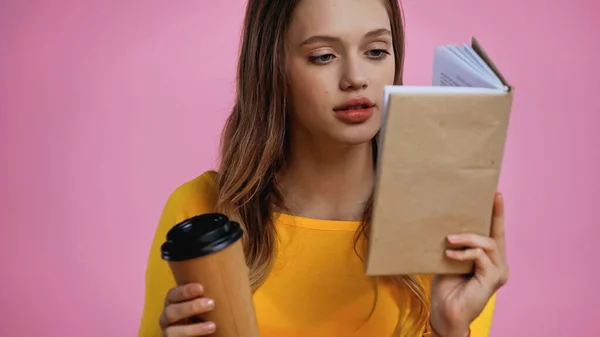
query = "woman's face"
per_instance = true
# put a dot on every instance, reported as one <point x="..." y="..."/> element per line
<point x="339" y="58"/>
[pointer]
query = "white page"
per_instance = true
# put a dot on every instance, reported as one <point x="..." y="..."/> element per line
<point x="468" y="50"/>
<point x="449" y="70"/>
<point x="470" y="53"/>
<point x="456" y="50"/>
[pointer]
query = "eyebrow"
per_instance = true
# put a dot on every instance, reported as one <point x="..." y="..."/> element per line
<point x="327" y="38"/>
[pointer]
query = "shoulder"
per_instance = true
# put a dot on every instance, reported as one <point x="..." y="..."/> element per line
<point x="193" y="197"/>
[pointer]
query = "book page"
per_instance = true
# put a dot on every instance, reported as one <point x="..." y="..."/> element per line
<point x="456" y="50"/>
<point x="450" y="70"/>
<point x="468" y="50"/>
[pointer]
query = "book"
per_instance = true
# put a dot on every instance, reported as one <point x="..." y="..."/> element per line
<point x="440" y="152"/>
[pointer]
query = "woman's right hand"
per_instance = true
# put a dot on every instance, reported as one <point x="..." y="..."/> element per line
<point x="181" y="304"/>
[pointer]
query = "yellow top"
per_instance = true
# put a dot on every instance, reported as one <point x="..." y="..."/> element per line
<point x="317" y="287"/>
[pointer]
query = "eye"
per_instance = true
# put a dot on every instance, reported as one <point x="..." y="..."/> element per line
<point x="321" y="59"/>
<point x="378" y="54"/>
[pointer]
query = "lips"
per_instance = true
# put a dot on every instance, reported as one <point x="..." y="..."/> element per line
<point x="355" y="111"/>
<point x="354" y="107"/>
<point x="355" y="104"/>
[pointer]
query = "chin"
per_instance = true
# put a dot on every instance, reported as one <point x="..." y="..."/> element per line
<point x="356" y="134"/>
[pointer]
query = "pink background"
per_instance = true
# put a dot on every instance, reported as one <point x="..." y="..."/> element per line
<point x="106" y="106"/>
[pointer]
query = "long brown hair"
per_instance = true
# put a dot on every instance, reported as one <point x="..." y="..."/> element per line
<point x="255" y="143"/>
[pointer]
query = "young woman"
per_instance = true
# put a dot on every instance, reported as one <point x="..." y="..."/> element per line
<point x="297" y="171"/>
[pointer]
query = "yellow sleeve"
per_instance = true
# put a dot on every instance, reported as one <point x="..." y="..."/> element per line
<point x="482" y="324"/>
<point x="194" y="197"/>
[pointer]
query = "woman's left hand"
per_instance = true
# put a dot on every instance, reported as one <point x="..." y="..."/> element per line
<point x="457" y="299"/>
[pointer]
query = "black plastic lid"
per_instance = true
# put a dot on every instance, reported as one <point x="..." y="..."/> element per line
<point x="199" y="236"/>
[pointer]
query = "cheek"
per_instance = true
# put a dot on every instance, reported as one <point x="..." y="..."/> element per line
<point x="311" y="90"/>
<point x="312" y="86"/>
<point x="384" y="74"/>
<point x="310" y="105"/>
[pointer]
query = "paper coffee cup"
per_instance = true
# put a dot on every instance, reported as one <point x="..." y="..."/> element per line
<point x="207" y="249"/>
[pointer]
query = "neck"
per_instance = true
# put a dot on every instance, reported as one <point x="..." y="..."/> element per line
<point x="327" y="181"/>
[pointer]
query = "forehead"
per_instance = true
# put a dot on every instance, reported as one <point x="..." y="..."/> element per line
<point x="346" y="19"/>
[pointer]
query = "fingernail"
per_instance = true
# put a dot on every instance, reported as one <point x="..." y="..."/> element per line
<point x="453" y="254"/>
<point x="210" y="326"/>
<point x="452" y="238"/>
<point x="209" y="303"/>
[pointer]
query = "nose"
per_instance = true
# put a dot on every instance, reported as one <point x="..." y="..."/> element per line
<point x="354" y="77"/>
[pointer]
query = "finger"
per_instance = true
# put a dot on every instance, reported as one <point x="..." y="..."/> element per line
<point x="178" y="311"/>
<point x="489" y="274"/>
<point x="497" y="230"/>
<point x="198" y="329"/>
<point x="468" y="240"/>
<point x="483" y="265"/>
<point x="184" y="293"/>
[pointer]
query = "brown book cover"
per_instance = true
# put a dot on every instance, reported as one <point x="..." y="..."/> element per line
<point x="440" y="155"/>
